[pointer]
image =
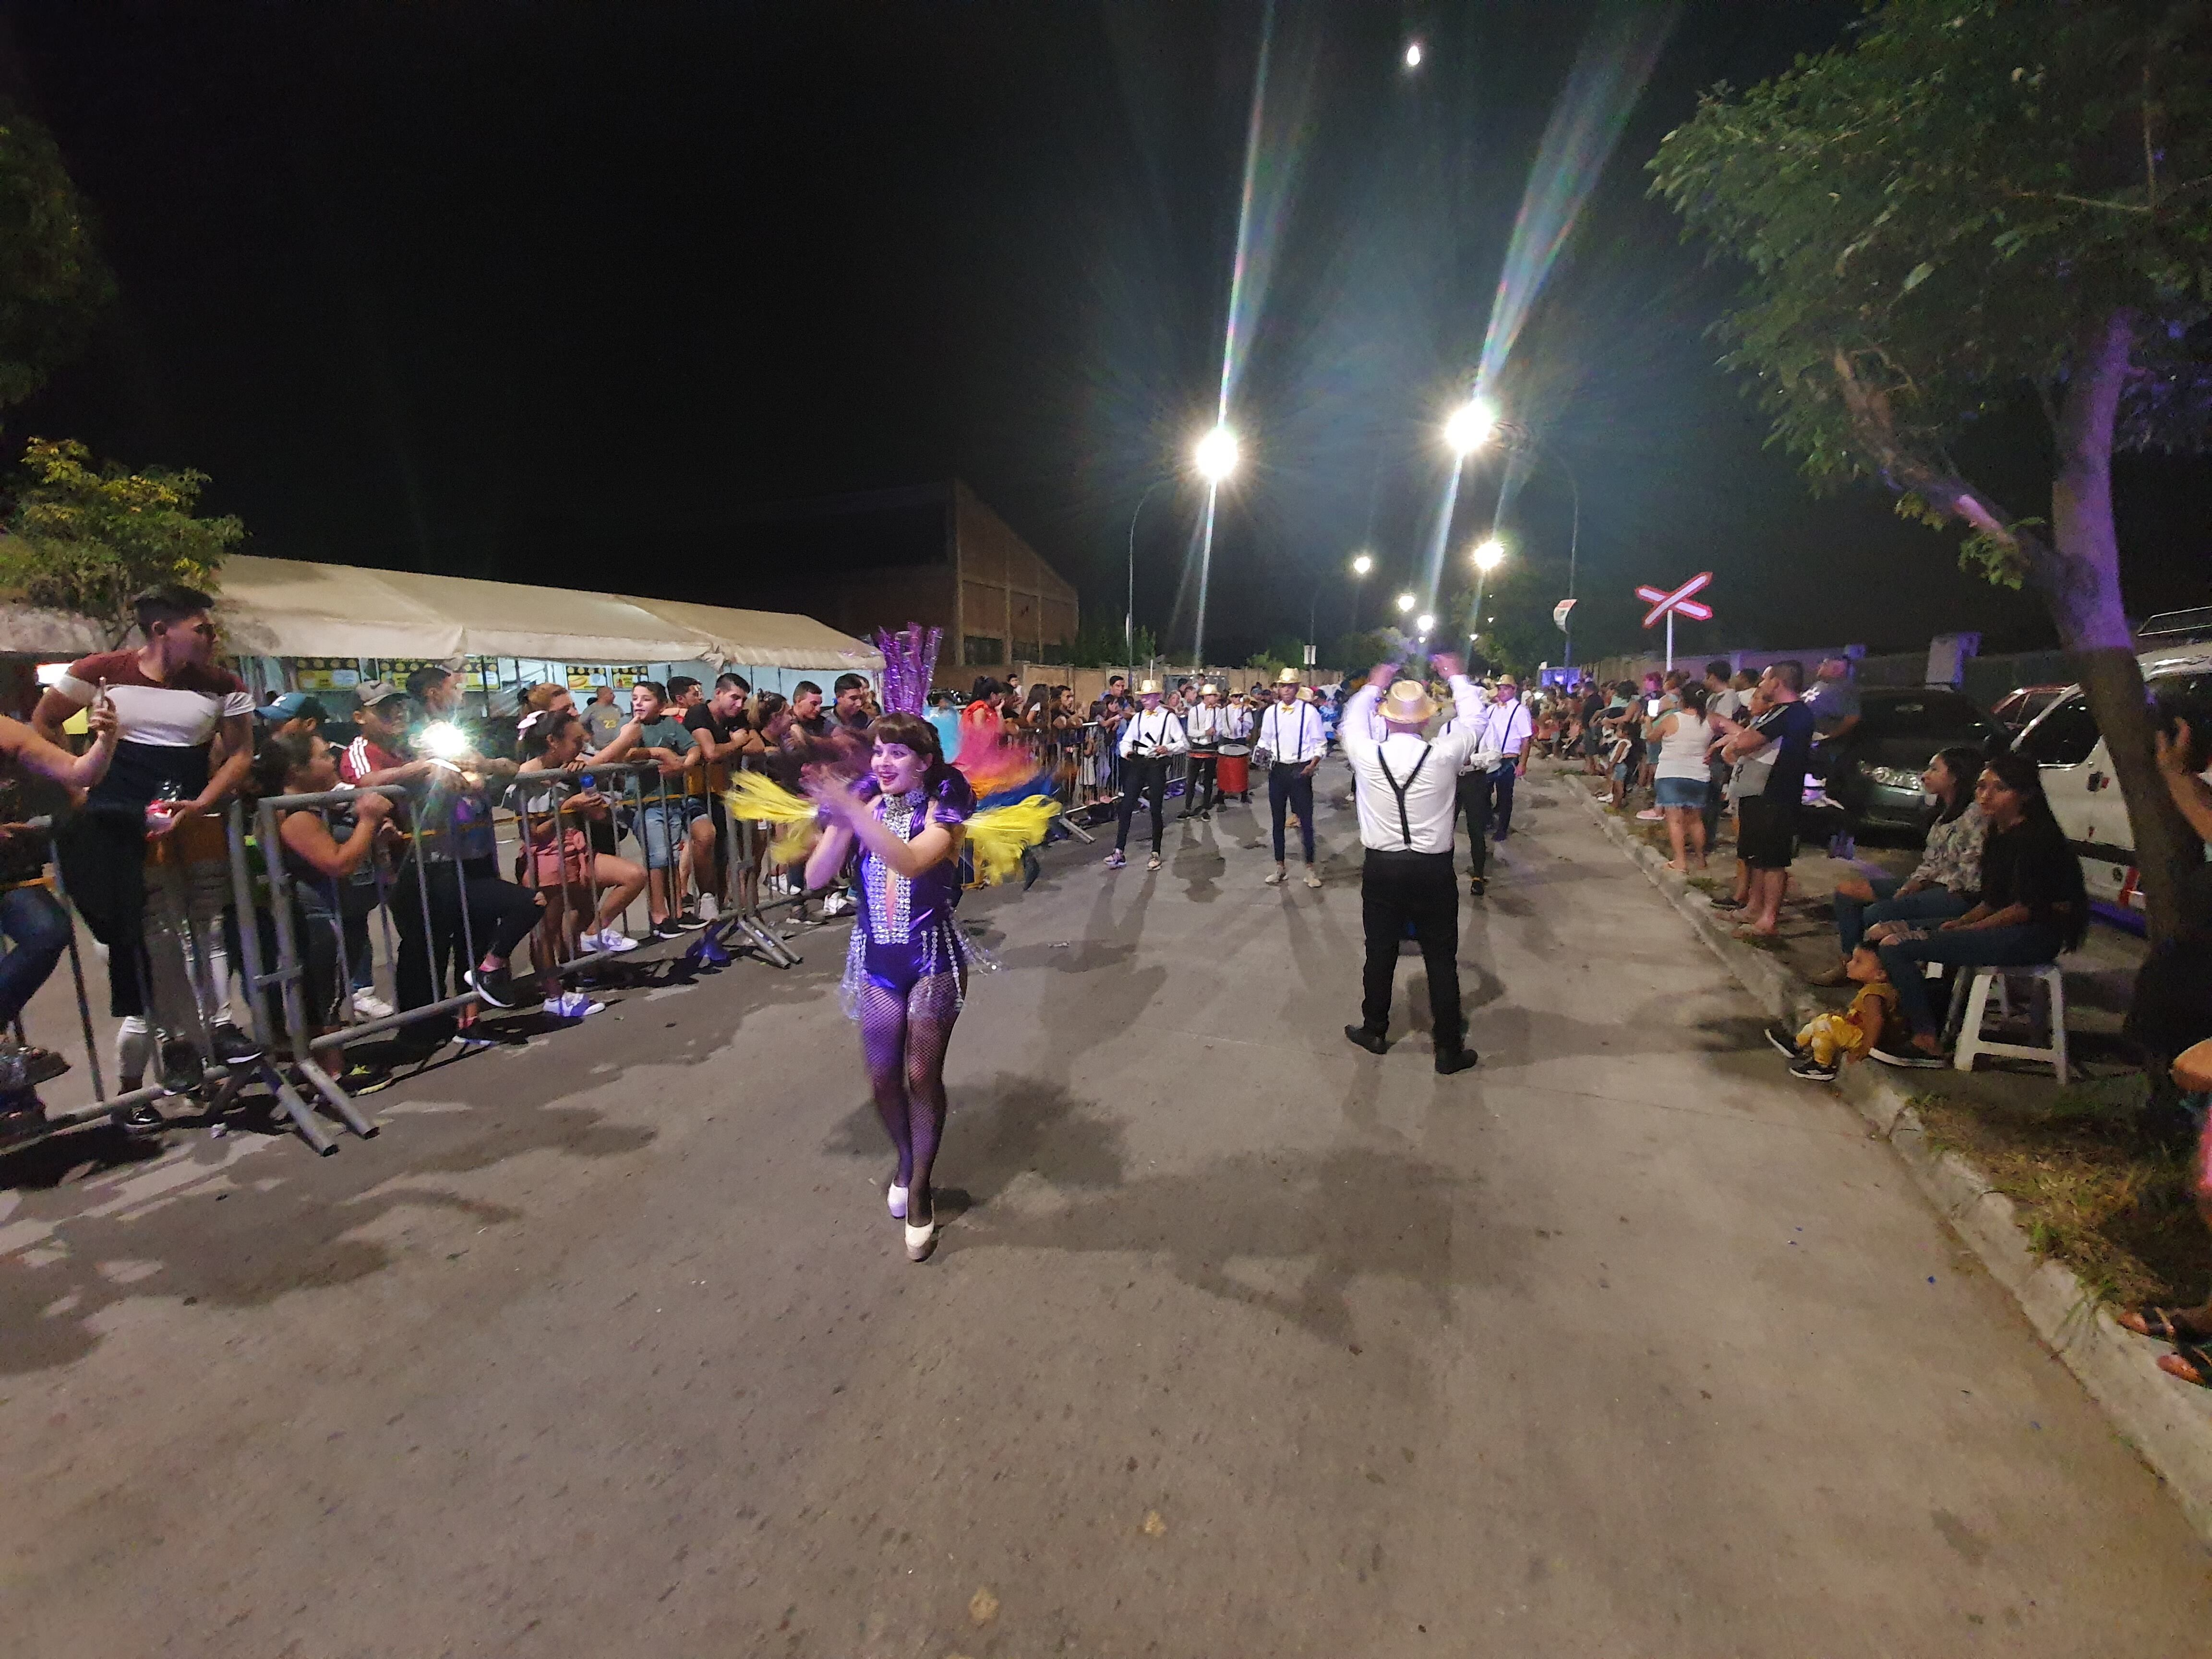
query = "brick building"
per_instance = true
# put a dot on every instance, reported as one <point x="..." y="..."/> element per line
<point x="933" y="553"/>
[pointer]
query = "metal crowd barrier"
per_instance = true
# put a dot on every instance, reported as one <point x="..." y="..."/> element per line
<point x="269" y="923"/>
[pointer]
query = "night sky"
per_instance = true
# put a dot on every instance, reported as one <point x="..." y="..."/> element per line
<point x="554" y="291"/>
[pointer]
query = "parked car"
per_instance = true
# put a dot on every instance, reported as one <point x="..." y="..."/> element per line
<point x="2077" y="777"/>
<point x="2018" y="707"/>
<point x="1877" y="777"/>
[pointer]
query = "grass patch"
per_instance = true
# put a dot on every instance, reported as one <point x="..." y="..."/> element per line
<point x="2120" y="1217"/>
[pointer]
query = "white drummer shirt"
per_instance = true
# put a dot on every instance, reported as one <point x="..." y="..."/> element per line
<point x="1208" y="726"/>
<point x="1292" y="733"/>
<point x="1154" y="732"/>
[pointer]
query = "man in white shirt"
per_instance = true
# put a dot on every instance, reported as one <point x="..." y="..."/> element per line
<point x="1293" y="734"/>
<point x="1148" y="742"/>
<point x="1504" y="726"/>
<point x="1408" y="795"/>
<point x="1208" y="726"/>
<point x="1237" y="728"/>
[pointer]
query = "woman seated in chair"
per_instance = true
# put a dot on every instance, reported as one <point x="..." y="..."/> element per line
<point x="2032" y="907"/>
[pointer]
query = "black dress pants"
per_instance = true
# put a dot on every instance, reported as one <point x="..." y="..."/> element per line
<point x="1198" y="793"/>
<point x="1474" y="802"/>
<point x="1289" y="786"/>
<point x="1145" y="775"/>
<point x="1394" y="888"/>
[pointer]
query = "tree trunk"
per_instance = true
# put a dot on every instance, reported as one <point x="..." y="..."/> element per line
<point x="2081" y="587"/>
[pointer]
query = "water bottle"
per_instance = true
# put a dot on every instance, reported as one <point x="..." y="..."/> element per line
<point x="165" y="805"/>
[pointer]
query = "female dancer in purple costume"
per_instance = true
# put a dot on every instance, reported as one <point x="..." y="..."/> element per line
<point x="906" y="975"/>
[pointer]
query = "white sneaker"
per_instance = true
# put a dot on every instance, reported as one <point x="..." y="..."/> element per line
<point x="369" y="1005"/>
<point x="573" y="1004"/>
<point x="837" y="904"/>
<point x="610" y="939"/>
<point x="709" y="907"/>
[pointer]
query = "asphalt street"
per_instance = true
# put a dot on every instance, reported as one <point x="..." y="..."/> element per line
<point x="1239" y="1342"/>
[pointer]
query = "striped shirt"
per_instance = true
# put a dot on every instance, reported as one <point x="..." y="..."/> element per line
<point x="164" y="727"/>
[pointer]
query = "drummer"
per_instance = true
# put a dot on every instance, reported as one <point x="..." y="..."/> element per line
<point x="1236" y="778"/>
<point x="1207" y="724"/>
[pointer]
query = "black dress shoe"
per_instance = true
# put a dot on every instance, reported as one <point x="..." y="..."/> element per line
<point x="1455" y="1059"/>
<point x="1373" y="1041"/>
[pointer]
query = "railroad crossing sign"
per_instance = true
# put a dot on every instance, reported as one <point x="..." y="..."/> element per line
<point x="1669" y="605"/>
<point x="1559" y="614"/>
<point x="1664" y="603"/>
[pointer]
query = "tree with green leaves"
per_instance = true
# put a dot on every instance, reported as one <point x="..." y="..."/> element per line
<point x="1976" y="204"/>
<point x="53" y="280"/>
<point x="87" y="538"/>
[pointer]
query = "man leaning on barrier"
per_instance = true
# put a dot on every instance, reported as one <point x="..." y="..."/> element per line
<point x="37" y="927"/>
<point x="174" y="707"/>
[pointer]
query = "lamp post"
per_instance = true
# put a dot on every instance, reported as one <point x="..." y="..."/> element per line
<point x="1129" y="617"/>
<point x="1360" y="566"/>
<point x="1215" y="456"/>
<point x="1476" y="424"/>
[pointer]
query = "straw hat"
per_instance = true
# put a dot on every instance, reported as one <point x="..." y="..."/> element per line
<point x="1210" y="691"/>
<point x="1408" y="703"/>
<point x="1288" y="677"/>
<point x="1149" y="689"/>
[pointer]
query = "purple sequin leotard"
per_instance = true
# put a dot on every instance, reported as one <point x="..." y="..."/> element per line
<point x="906" y="931"/>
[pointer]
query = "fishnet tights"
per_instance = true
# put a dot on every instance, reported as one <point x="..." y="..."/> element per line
<point x="903" y="1039"/>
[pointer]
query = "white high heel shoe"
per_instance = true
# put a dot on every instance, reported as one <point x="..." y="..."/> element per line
<point x="921" y="1241"/>
<point x="896" y="1199"/>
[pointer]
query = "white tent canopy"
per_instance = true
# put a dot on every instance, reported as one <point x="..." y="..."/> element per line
<point x="293" y="607"/>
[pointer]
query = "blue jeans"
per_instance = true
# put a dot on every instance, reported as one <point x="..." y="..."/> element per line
<point x="662" y="826"/>
<point x="1854" y="916"/>
<point x="1972" y="947"/>
<point x="39" y="928"/>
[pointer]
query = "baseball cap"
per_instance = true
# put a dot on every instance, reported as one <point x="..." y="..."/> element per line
<point x="369" y="693"/>
<point x="277" y="710"/>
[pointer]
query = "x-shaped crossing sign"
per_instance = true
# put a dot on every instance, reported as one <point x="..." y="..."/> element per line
<point x="1663" y="603"/>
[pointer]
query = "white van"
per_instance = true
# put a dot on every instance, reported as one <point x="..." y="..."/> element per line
<point x="2077" y="772"/>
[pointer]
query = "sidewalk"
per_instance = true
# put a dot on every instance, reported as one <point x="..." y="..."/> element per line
<point x="2045" y="1183"/>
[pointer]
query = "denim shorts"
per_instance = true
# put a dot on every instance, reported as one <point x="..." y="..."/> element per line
<point x="660" y="827"/>
<point x="1682" y="791"/>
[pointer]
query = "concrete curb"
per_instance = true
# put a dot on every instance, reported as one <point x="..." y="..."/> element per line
<point x="2168" y="1423"/>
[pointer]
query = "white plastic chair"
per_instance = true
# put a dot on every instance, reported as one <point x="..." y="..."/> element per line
<point x="1970" y="1007"/>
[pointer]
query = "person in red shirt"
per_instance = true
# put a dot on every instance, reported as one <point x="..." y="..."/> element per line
<point x="185" y="745"/>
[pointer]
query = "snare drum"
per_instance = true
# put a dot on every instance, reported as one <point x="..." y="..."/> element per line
<point x="1235" y="774"/>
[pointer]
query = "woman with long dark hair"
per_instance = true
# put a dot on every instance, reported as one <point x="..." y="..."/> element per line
<point x="905" y="974"/>
<point x="2032" y="910"/>
<point x="1944" y="883"/>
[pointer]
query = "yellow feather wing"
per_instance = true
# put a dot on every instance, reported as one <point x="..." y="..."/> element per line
<point x="997" y="838"/>
<point x="755" y="796"/>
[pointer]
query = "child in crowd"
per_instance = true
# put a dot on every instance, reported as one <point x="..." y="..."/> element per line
<point x="1827" y="1043"/>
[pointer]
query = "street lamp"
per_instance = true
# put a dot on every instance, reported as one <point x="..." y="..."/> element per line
<point x="1360" y="566"/>
<point x="1423" y="623"/>
<point x="1216" y="455"/>
<point x="1489" y="556"/>
<point x="1470" y="427"/>
<point x="1129" y="617"/>
<point x="1406" y="603"/>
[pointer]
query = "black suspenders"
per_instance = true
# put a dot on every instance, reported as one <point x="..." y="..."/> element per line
<point x="1405" y="823"/>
